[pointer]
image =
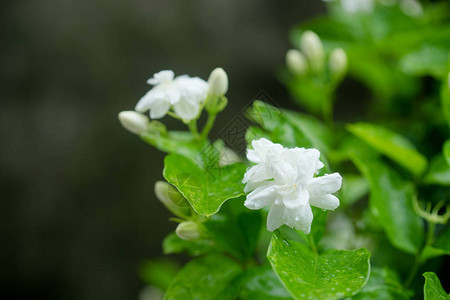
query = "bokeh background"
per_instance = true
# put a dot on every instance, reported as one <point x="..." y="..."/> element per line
<point x="78" y="210"/>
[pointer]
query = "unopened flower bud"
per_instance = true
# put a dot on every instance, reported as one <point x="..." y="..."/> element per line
<point x="296" y="62"/>
<point x="133" y="121"/>
<point x="188" y="231"/>
<point x="172" y="199"/>
<point x="157" y="127"/>
<point x="338" y="63"/>
<point x="218" y="82"/>
<point x="216" y="104"/>
<point x="311" y="46"/>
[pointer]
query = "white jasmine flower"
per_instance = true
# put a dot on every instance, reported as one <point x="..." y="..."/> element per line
<point x="296" y="62"/>
<point x="312" y="48"/>
<point x="183" y="93"/>
<point x="284" y="180"/>
<point x="218" y="82"/>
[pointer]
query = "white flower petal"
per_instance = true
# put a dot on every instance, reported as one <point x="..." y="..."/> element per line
<point x="185" y="109"/>
<point x="327" y="184"/>
<point x="260" y="197"/>
<point x="304" y="219"/>
<point x="159" y="109"/>
<point x="253" y="156"/>
<point x="275" y="219"/>
<point x="255" y="174"/>
<point x="328" y="202"/>
<point x="296" y="200"/>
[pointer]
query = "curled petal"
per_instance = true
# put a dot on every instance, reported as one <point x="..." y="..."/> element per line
<point x="298" y="199"/>
<point x="328" y="202"/>
<point x="185" y="109"/>
<point x="255" y="174"/>
<point x="327" y="184"/>
<point x="260" y="197"/>
<point x="159" y="109"/>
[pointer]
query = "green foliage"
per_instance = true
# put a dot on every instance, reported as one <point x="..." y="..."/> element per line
<point x="308" y="275"/>
<point x="432" y="289"/>
<point x="209" y="277"/>
<point x="205" y="189"/>
<point x="391" y="202"/>
<point x="392" y="145"/>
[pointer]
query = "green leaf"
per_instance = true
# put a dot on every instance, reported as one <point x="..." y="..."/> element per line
<point x="205" y="189"/>
<point x="383" y="284"/>
<point x="440" y="247"/>
<point x="446" y="151"/>
<point x="428" y="60"/>
<point x="209" y="277"/>
<point x="235" y="228"/>
<point x="262" y="283"/>
<point x="445" y="99"/>
<point x="173" y="244"/>
<point x="158" y="273"/>
<point x="391" y="202"/>
<point x="354" y="187"/>
<point x="432" y="289"/>
<point x="180" y="142"/>
<point x="439" y="172"/>
<point x="331" y="275"/>
<point x="391" y="144"/>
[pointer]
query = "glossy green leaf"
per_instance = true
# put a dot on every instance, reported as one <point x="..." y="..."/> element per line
<point x="235" y="229"/>
<point x="391" y="144"/>
<point x="391" y="202"/>
<point x="173" y="244"/>
<point x="439" y="172"/>
<point x="432" y="289"/>
<point x="331" y="275"/>
<point x="383" y="284"/>
<point x="205" y="189"/>
<point x="209" y="277"/>
<point x="262" y="283"/>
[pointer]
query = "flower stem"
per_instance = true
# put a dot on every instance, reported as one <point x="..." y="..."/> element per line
<point x="208" y="126"/>
<point x="193" y="128"/>
<point x="312" y="244"/>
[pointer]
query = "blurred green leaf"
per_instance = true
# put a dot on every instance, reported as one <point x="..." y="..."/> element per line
<point x="428" y="60"/>
<point x="440" y="247"/>
<point x="209" y="277"/>
<point x="432" y="289"/>
<point x="331" y="275"/>
<point x="446" y="151"/>
<point x="383" y="284"/>
<point x="205" y="189"/>
<point x="391" y="202"/>
<point x="439" y="171"/>
<point x="445" y="98"/>
<point x="354" y="187"/>
<point x="173" y="244"/>
<point x="262" y="283"/>
<point x="158" y="273"/>
<point x="391" y="144"/>
<point x="235" y="228"/>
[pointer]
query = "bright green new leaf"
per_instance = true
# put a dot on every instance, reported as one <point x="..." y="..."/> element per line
<point x="391" y="202"/>
<point x="331" y="275"/>
<point x="210" y="277"/>
<point x="208" y="188"/>
<point x="391" y="144"/>
<point x="439" y="172"/>
<point x="383" y="284"/>
<point x="432" y="289"/>
<point x="262" y="283"/>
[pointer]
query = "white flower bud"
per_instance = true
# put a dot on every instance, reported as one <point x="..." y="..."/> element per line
<point x="218" y="82"/>
<point x="338" y="63"/>
<point x="188" y="231"/>
<point x="296" y="62"/>
<point x="172" y="199"/>
<point x="311" y="46"/>
<point x="133" y="121"/>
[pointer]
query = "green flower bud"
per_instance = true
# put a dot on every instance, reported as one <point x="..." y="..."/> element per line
<point x="188" y="231"/>
<point x="311" y="46"/>
<point x="216" y="104"/>
<point x="296" y="62"/>
<point x="157" y="127"/>
<point x="218" y="82"/>
<point x="133" y="121"/>
<point x="172" y="199"/>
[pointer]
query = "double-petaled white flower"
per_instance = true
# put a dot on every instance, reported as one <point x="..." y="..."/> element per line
<point x="184" y="94"/>
<point x="284" y="179"/>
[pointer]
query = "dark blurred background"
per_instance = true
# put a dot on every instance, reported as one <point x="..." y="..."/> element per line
<point x="78" y="210"/>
